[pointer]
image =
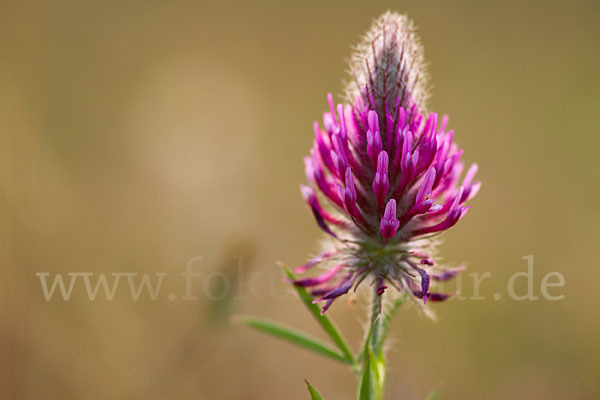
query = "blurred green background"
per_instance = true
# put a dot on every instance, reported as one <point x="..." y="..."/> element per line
<point x="136" y="135"/>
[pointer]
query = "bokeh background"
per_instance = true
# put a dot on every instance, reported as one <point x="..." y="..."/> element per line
<point x="137" y="135"/>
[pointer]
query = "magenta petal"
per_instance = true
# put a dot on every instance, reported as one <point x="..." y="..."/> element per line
<point x="313" y="261"/>
<point x="381" y="183"/>
<point x="447" y="273"/>
<point x="389" y="223"/>
<point x="432" y="296"/>
<point x="426" y="186"/>
<point x="317" y="280"/>
<point x="321" y="222"/>
<point x="390" y="172"/>
<point x="311" y="199"/>
<point x="338" y="291"/>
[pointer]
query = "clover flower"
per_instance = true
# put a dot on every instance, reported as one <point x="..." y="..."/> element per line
<point x="384" y="175"/>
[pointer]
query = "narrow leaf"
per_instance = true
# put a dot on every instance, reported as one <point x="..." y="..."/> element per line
<point x="364" y="391"/>
<point x="323" y="320"/>
<point x="314" y="395"/>
<point x="293" y="336"/>
<point x="377" y="363"/>
<point x="433" y="395"/>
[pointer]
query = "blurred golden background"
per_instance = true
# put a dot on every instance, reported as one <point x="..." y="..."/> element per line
<point x="137" y="135"/>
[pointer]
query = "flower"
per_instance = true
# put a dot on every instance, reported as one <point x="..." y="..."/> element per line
<point x="384" y="176"/>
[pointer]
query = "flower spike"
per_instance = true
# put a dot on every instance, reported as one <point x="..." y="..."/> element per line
<point x="388" y="170"/>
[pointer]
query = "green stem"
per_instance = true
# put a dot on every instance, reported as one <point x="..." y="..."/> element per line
<point x="376" y="318"/>
<point x="377" y="346"/>
<point x="372" y="360"/>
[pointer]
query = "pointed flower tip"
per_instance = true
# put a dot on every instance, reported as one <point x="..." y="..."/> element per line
<point x="427" y="261"/>
<point x="458" y="198"/>
<point x="331" y="104"/>
<point x="474" y="189"/>
<point x="320" y="219"/>
<point x="464" y="211"/>
<point x="448" y="274"/>
<point x="373" y="121"/>
<point x="349" y="178"/>
<point x="390" y="51"/>
<point x="390" y="209"/>
<point x="389" y="223"/>
<point x="382" y="162"/>
<point x="307" y="192"/>
<point x="433" y="296"/>
<point x="426" y="186"/>
<point x="470" y="174"/>
<point x="381" y="183"/>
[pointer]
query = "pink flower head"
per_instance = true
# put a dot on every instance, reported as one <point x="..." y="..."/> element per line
<point x="384" y="176"/>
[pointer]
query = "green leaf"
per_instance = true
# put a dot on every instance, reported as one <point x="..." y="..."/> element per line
<point x="295" y="337"/>
<point x="433" y="395"/>
<point x="377" y="374"/>
<point x="364" y="391"/>
<point x="314" y="395"/>
<point x="323" y="320"/>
